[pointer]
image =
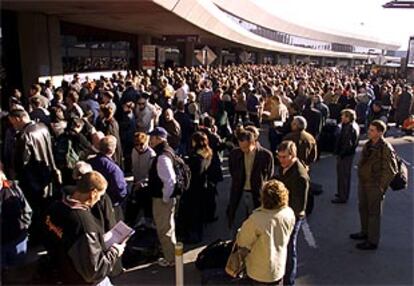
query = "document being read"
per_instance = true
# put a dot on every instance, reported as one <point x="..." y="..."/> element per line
<point x="118" y="234"/>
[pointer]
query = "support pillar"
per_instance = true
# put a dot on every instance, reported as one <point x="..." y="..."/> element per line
<point x="219" y="60"/>
<point x="40" y="47"/>
<point x="188" y="53"/>
<point x="260" y="58"/>
<point x="142" y="40"/>
<point x="292" y="59"/>
<point x="276" y="57"/>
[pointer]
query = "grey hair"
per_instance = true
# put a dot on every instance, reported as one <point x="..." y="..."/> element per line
<point x="107" y="145"/>
<point x="300" y="122"/>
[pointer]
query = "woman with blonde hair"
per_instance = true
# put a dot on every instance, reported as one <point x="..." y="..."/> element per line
<point x="265" y="234"/>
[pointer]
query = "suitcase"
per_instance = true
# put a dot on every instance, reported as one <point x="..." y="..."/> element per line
<point x="214" y="256"/>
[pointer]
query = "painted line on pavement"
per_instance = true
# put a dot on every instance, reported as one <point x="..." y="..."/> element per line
<point x="310" y="239"/>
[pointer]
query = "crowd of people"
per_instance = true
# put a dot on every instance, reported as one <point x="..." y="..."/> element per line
<point x="69" y="150"/>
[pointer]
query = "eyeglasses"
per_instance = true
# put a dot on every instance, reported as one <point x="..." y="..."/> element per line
<point x="141" y="103"/>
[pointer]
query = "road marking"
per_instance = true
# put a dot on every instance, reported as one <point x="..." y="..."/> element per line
<point x="310" y="239"/>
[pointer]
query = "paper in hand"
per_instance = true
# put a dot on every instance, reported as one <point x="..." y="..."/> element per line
<point x="118" y="234"/>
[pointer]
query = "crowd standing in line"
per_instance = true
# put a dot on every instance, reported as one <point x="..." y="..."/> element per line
<point x="72" y="147"/>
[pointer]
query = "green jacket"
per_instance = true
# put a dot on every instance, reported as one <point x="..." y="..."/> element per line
<point x="378" y="165"/>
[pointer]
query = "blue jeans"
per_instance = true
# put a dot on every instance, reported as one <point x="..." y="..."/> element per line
<point x="14" y="253"/>
<point x="292" y="255"/>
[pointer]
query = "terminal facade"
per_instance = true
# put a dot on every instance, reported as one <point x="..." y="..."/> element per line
<point x="52" y="38"/>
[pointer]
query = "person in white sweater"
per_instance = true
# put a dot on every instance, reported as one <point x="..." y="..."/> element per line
<point x="266" y="235"/>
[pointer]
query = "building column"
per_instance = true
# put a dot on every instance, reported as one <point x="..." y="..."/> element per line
<point x="188" y="54"/>
<point x="292" y="59"/>
<point x="276" y="58"/>
<point x="351" y="62"/>
<point x="259" y="58"/>
<point x="323" y="61"/>
<point x="219" y="60"/>
<point x="141" y="42"/>
<point x="40" y="47"/>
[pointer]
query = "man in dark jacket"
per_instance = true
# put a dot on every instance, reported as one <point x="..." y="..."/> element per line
<point x="345" y="147"/>
<point x="35" y="165"/>
<point x="250" y="166"/>
<point x="186" y="125"/>
<point x="305" y="142"/>
<point x="295" y="177"/>
<point x="376" y="169"/>
<point x="76" y="238"/>
<point x="314" y="119"/>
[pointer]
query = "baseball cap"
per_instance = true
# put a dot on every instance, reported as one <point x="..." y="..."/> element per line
<point x="160" y="132"/>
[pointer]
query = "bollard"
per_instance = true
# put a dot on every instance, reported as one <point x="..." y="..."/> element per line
<point x="179" y="264"/>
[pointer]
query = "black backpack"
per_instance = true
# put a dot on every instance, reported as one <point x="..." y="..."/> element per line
<point x="182" y="174"/>
<point x="400" y="180"/>
<point x="215" y="255"/>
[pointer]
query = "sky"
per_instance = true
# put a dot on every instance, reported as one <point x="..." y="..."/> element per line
<point x="361" y="17"/>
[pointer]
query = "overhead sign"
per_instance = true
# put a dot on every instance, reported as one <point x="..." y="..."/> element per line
<point x="206" y="56"/>
<point x="148" y="56"/>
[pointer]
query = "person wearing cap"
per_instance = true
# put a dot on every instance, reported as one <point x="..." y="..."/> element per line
<point x="104" y="164"/>
<point x="75" y="237"/>
<point x="161" y="183"/>
<point x="305" y="142"/>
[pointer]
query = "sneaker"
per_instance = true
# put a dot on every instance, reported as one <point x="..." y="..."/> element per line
<point x="165" y="263"/>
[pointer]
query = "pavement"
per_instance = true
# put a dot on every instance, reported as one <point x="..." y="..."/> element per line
<point x="326" y="255"/>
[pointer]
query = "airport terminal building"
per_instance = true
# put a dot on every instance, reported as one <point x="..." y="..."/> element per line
<point x="49" y="38"/>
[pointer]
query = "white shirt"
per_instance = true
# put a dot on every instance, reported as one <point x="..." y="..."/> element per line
<point x="182" y="94"/>
<point x="165" y="170"/>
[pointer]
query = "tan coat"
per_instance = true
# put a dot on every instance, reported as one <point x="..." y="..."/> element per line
<point x="266" y="234"/>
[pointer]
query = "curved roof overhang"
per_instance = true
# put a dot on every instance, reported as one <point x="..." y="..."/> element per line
<point x="248" y="10"/>
<point x="207" y="16"/>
